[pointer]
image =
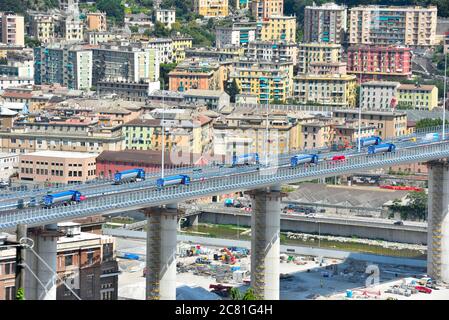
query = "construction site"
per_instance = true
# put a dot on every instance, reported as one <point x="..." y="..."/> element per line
<point x="210" y="272"/>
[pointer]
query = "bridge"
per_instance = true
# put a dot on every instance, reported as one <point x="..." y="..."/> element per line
<point x="262" y="183"/>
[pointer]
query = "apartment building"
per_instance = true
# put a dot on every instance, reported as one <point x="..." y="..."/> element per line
<point x="225" y="54"/>
<point x="180" y="45"/>
<point x="446" y="44"/>
<point x="96" y="21"/>
<point x="8" y="165"/>
<point x="13" y="81"/>
<point x="191" y="135"/>
<point x="213" y="99"/>
<point x="204" y="74"/>
<point x="60" y="167"/>
<point x="211" y="8"/>
<point x="164" y="47"/>
<point x="309" y="53"/>
<point x="130" y="91"/>
<point x="388" y="25"/>
<point x="379" y="63"/>
<point x="125" y="63"/>
<point x="387" y="123"/>
<point x="73" y="136"/>
<point x="86" y="262"/>
<point x="270" y="50"/>
<point x="379" y="95"/>
<point x="73" y="29"/>
<point x="336" y="90"/>
<point x="277" y="28"/>
<point x="417" y="96"/>
<point x="269" y="80"/>
<point x="262" y="9"/>
<point x="325" y="23"/>
<point x="245" y="132"/>
<point x="42" y="27"/>
<point x="239" y="34"/>
<point x="99" y="37"/>
<point x="323" y="68"/>
<point x="166" y="16"/>
<point x="12" y="29"/>
<point x="70" y="66"/>
<point x="18" y="65"/>
<point x="323" y="133"/>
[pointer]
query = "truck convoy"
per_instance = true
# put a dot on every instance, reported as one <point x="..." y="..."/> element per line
<point x="303" y="158"/>
<point x="385" y="147"/>
<point x="62" y="198"/>
<point x="246" y="159"/>
<point x="131" y="175"/>
<point x="172" y="180"/>
<point x="369" y="141"/>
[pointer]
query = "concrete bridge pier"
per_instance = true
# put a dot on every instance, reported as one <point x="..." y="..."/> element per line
<point x="438" y="221"/>
<point x="265" y="242"/>
<point x="161" y="252"/>
<point x="45" y="245"/>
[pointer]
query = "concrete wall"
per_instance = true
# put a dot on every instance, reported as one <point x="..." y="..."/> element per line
<point x="375" y="232"/>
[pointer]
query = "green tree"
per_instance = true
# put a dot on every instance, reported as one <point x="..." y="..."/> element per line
<point x="416" y="207"/>
<point x="232" y="89"/>
<point x="32" y="42"/>
<point x="427" y="122"/>
<point x="165" y="69"/>
<point x="249" y="294"/>
<point x="113" y="8"/>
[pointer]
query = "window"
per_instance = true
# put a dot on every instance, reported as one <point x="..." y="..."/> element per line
<point x="68" y="260"/>
<point x="8" y="268"/>
<point x="90" y="258"/>
<point x="10" y="292"/>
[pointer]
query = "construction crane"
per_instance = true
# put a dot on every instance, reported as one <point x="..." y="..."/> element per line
<point x="343" y="144"/>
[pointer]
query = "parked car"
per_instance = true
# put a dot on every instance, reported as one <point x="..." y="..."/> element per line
<point x="423" y="289"/>
<point x="399" y="223"/>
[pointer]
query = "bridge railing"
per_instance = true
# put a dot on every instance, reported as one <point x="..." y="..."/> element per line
<point x="152" y="196"/>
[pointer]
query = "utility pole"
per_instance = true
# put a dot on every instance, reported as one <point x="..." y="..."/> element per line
<point x="20" y="261"/>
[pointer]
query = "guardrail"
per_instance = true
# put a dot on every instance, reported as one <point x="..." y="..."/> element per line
<point x="148" y="197"/>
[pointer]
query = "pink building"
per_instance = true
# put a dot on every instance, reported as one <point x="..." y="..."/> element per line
<point x="57" y="167"/>
<point x="379" y="63"/>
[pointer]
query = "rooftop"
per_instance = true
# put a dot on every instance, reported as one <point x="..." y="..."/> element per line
<point x="63" y="154"/>
<point x="423" y="87"/>
<point x="204" y="93"/>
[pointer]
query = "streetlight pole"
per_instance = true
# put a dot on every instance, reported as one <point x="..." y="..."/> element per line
<point x="360" y="108"/>
<point x="444" y="96"/>
<point x="163" y="132"/>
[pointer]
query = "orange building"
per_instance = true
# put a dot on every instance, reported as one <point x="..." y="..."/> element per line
<point x="203" y="74"/>
<point x="96" y="21"/>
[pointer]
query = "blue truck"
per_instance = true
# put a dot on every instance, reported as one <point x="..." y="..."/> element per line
<point x="173" y="180"/>
<point x="65" y="197"/>
<point x="246" y="159"/>
<point x="369" y="141"/>
<point x="303" y="158"/>
<point x="137" y="174"/>
<point x="385" y="147"/>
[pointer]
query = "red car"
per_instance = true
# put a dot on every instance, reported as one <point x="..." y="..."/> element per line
<point x="338" y="158"/>
<point x="423" y="289"/>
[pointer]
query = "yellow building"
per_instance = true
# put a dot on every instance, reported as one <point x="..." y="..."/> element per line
<point x="265" y="8"/>
<point x="267" y="80"/>
<point x="242" y="132"/>
<point x="336" y="90"/>
<point x="276" y="28"/>
<point x="179" y="45"/>
<point x="420" y="97"/>
<point x="317" y="52"/>
<point x="42" y="27"/>
<point x="211" y="8"/>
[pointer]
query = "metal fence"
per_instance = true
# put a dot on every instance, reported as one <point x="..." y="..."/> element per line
<point x="151" y="196"/>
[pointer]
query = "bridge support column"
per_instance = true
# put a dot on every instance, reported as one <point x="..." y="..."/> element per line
<point x="45" y="245"/>
<point x="438" y="221"/>
<point x="265" y="242"/>
<point x="161" y="253"/>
